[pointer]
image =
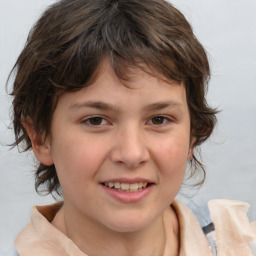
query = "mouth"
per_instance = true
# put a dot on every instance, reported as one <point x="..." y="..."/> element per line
<point x="127" y="187"/>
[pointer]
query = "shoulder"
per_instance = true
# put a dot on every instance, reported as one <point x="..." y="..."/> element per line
<point x="231" y="215"/>
<point x="235" y="234"/>
<point x="225" y="225"/>
<point x="40" y="237"/>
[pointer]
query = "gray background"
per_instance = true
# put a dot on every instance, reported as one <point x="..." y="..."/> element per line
<point x="228" y="31"/>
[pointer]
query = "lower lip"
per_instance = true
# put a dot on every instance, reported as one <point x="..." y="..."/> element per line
<point x="128" y="197"/>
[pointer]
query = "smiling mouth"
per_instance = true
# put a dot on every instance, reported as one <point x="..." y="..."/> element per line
<point x="126" y="187"/>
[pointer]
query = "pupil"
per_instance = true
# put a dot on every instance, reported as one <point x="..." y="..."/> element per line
<point x="158" y="120"/>
<point x="96" y="120"/>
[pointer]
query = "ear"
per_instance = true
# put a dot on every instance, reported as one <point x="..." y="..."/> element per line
<point x="41" y="145"/>
<point x="191" y="148"/>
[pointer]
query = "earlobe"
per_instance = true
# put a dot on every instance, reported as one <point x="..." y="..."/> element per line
<point x="41" y="145"/>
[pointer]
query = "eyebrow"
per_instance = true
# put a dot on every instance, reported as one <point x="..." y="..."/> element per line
<point x="94" y="104"/>
<point x="108" y="107"/>
<point x="163" y="105"/>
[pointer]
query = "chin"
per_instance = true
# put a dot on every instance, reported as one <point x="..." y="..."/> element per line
<point x="129" y="225"/>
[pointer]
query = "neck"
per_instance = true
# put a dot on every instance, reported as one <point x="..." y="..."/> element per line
<point x="95" y="240"/>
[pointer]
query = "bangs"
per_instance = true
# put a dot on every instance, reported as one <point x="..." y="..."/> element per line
<point x="126" y="37"/>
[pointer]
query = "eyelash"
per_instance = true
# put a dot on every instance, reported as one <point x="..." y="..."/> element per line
<point x="88" y="121"/>
<point x="165" y="119"/>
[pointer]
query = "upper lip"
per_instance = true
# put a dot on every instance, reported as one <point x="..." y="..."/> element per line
<point x="128" y="180"/>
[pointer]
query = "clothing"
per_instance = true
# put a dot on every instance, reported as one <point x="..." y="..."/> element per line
<point x="233" y="232"/>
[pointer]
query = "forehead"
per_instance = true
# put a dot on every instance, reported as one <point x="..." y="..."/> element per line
<point x="132" y="77"/>
<point x="141" y="90"/>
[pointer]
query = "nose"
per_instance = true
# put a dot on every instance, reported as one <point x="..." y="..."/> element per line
<point x="129" y="148"/>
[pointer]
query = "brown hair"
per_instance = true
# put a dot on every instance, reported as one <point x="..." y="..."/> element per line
<point x="69" y="41"/>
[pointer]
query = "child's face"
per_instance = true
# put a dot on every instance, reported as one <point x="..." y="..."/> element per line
<point x="109" y="134"/>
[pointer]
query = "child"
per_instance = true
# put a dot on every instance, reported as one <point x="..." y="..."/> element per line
<point x="110" y="95"/>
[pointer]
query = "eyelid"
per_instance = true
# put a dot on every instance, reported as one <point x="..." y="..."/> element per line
<point x="168" y="119"/>
<point x="88" y="118"/>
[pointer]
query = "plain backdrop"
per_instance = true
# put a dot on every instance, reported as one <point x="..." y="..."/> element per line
<point x="227" y="29"/>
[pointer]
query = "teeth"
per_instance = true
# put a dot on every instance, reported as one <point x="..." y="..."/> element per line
<point x="110" y="184"/>
<point x="134" y="187"/>
<point x="126" y="187"/>
<point x="117" y="185"/>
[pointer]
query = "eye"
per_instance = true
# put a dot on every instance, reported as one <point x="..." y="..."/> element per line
<point x="159" y="120"/>
<point x="95" y="121"/>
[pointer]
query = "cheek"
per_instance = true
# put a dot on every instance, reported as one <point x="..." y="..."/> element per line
<point x="172" y="163"/>
<point x="172" y="166"/>
<point x="172" y="153"/>
<point x="77" y="158"/>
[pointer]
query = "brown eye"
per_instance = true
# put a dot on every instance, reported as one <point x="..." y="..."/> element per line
<point x="95" y="120"/>
<point x="158" y="120"/>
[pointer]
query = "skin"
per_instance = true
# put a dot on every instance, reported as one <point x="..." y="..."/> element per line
<point x="113" y="129"/>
